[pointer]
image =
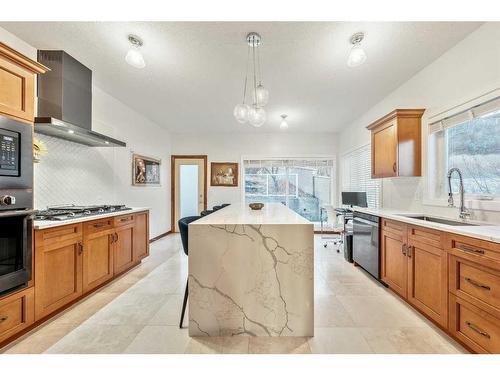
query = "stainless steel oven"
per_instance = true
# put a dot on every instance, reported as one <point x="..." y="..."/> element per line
<point x="16" y="204"/>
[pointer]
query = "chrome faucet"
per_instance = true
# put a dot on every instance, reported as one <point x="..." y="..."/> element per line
<point x="464" y="212"/>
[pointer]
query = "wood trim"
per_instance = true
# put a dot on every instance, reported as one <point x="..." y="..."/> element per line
<point x="173" y="158"/>
<point x="22" y="60"/>
<point x="400" y="113"/>
<point x="160" y="236"/>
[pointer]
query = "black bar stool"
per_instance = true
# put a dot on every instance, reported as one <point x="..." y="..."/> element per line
<point x="206" y="212"/>
<point x="183" y="229"/>
<point x="216" y="208"/>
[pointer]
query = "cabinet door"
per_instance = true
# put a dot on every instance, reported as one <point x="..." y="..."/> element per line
<point x="16" y="313"/>
<point x="384" y="150"/>
<point x="394" y="263"/>
<point x="124" y="248"/>
<point x="427" y="281"/>
<point x="58" y="275"/>
<point x="17" y="93"/>
<point x="141" y="236"/>
<point x="97" y="259"/>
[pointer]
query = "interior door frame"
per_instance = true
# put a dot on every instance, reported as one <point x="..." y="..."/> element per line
<point x="173" y="158"/>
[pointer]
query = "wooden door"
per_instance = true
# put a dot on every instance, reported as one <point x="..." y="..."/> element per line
<point x="141" y="236"/>
<point x="123" y="248"/>
<point x="427" y="281"/>
<point x="394" y="263"/>
<point x="384" y="150"/>
<point x="58" y="268"/>
<point x="97" y="259"/>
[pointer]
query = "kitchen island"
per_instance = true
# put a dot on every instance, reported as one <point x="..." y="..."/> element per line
<point x="251" y="273"/>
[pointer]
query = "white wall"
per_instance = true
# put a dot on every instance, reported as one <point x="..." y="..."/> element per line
<point x="71" y="173"/>
<point x="468" y="70"/>
<point x="231" y="147"/>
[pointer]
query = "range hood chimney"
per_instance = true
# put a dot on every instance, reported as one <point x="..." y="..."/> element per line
<point x="65" y="101"/>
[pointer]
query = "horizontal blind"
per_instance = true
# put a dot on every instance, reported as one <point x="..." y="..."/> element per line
<point x="356" y="175"/>
<point x="464" y="116"/>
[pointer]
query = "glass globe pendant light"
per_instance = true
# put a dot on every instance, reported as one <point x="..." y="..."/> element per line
<point x="254" y="114"/>
<point x="134" y="56"/>
<point x="257" y="116"/>
<point x="357" y="56"/>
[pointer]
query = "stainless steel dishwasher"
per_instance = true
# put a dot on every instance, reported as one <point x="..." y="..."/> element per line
<point x="365" y="247"/>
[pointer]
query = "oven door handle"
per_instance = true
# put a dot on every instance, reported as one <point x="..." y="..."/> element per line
<point x="17" y="213"/>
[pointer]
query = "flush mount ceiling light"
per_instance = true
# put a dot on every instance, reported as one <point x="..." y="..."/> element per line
<point x="357" y="56"/>
<point x="134" y="56"/>
<point x="283" y="124"/>
<point x="254" y="114"/>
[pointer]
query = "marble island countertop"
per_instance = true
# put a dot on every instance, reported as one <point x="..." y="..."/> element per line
<point x="481" y="230"/>
<point x="44" y="224"/>
<point x="271" y="213"/>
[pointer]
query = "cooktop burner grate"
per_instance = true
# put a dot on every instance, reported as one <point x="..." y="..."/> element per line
<point x="68" y="212"/>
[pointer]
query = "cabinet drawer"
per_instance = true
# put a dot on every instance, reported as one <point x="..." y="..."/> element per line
<point x="475" y="283"/>
<point x="98" y="225"/>
<point x="474" y="327"/>
<point x="16" y="313"/>
<point x="395" y="227"/>
<point x="123" y="220"/>
<point x="484" y="252"/>
<point x="427" y="236"/>
<point x="44" y="237"/>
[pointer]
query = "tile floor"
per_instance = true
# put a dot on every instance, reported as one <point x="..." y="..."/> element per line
<point x="139" y="313"/>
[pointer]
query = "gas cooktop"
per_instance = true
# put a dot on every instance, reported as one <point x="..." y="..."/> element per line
<point x="61" y="213"/>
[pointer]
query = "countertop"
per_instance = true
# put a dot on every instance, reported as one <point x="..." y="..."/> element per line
<point x="271" y="213"/>
<point x="483" y="231"/>
<point x="44" y="224"/>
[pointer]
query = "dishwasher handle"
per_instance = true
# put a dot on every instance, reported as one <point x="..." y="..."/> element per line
<point x="364" y="221"/>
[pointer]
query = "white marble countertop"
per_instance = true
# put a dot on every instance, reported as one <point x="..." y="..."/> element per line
<point x="44" y="224"/>
<point x="271" y="213"/>
<point x="482" y="230"/>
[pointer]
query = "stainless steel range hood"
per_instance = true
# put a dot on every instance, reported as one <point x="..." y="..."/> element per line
<point x="65" y="101"/>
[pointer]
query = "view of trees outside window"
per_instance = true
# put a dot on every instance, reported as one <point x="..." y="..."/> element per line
<point x="474" y="148"/>
<point x="302" y="185"/>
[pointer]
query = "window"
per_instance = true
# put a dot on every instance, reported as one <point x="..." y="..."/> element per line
<point x="469" y="141"/>
<point x="301" y="184"/>
<point x="356" y="175"/>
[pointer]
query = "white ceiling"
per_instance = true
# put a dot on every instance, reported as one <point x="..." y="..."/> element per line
<point x="195" y="70"/>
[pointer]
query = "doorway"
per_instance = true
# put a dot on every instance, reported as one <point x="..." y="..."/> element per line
<point x="189" y="187"/>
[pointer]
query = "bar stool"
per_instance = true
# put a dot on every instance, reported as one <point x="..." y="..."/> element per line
<point x="206" y="212"/>
<point x="225" y="205"/>
<point x="183" y="229"/>
<point x="216" y="208"/>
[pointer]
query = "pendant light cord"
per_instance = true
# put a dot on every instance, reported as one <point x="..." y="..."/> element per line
<point x="254" y="77"/>
<point x="246" y="76"/>
<point x="258" y="65"/>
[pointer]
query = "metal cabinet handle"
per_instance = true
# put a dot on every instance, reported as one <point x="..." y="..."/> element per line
<point x="477" y="284"/>
<point x="116" y="237"/>
<point x="100" y="225"/>
<point x="477" y="329"/>
<point x="80" y="248"/>
<point x="394" y="167"/>
<point x="404" y="249"/>
<point x="3" y="318"/>
<point x="470" y="249"/>
<point x="410" y="250"/>
<point x="124" y="219"/>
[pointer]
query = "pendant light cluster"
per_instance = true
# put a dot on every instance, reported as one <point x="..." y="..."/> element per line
<point x="254" y="113"/>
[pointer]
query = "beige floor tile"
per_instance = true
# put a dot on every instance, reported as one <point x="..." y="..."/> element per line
<point x="278" y="345"/>
<point x="40" y="339"/>
<point x="329" y="312"/>
<point x="96" y="339"/>
<point x="408" y="341"/>
<point x="169" y="313"/>
<point x="339" y="341"/>
<point x="159" y="340"/>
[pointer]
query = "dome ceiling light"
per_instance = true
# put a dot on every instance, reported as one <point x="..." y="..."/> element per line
<point x="134" y="56"/>
<point x="357" y="56"/>
<point x="283" y="124"/>
<point x="254" y="114"/>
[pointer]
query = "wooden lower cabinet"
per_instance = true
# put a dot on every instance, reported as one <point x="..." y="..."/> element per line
<point x="415" y="268"/>
<point x="124" y="248"/>
<point x="17" y="312"/>
<point x="58" y="268"/>
<point x="141" y="236"/>
<point x="98" y="254"/>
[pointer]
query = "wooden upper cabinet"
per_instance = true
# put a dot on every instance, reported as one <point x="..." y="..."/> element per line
<point x="17" y="84"/>
<point x="396" y="144"/>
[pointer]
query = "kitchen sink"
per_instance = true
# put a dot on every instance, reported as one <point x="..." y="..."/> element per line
<point x="439" y="220"/>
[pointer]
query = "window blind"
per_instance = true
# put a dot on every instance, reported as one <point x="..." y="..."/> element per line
<point x="464" y="116"/>
<point x="356" y="175"/>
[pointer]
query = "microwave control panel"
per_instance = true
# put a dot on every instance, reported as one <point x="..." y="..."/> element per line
<point x="9" y="153"/>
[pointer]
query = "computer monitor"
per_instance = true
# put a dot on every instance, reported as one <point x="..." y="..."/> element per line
<point x="354" y="198"/>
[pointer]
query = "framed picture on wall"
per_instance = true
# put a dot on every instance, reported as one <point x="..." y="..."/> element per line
<point x="224" y="174"/>
<point x="145" y="171"/>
